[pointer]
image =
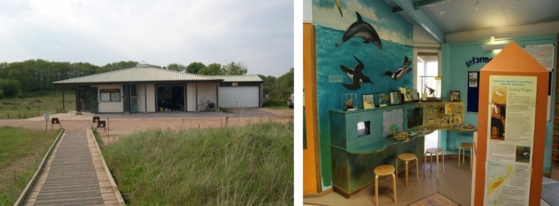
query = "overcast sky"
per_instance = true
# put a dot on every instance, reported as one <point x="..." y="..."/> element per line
<point x="255" y="32"/>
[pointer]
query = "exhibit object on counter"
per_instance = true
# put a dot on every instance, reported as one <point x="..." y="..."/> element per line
<point x="349" y="101"/>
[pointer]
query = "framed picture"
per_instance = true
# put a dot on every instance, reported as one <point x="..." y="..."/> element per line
<point x="454" y="96"/>
<point x="414" y="95"/>
<point x="368" y="101"/>
<point x="395" y="97"/>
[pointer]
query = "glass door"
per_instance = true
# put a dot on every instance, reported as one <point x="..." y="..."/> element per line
<point x="133" y="98"/>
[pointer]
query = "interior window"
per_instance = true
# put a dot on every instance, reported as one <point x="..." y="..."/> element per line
<point x="427" y="70"/>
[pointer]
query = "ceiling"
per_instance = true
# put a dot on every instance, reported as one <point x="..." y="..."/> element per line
<point x="462" y="15"/>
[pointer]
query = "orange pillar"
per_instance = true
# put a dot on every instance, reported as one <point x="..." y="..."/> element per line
<point x="311" y="164"/>
<point x="512" y="61"/>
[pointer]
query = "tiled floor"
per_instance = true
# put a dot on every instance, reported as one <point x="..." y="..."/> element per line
<point x="455" y="183"/>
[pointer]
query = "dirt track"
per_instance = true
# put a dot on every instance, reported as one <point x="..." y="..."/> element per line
<point x="119" y="127"/>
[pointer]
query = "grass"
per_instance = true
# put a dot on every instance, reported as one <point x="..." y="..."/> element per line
<point x="249" y="165"/>
<point x="17" y="161"/>
<point x="221" y="109"/>
<point x="278" y="107"/>
<point x="34" y="104"/>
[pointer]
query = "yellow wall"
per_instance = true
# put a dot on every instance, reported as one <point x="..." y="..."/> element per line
<point x="311" y="172"/>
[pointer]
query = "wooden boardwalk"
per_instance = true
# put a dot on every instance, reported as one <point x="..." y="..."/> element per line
<point x="73" y="175"/>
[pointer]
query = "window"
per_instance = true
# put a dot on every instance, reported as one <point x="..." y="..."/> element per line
<point x="110" y="95"/>
<point x="427" y="69"/>
<point x="133" y="90"/>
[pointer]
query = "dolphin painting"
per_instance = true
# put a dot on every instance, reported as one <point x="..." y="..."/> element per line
<point x="355" y="75"/>
<point x="363" y="29"/>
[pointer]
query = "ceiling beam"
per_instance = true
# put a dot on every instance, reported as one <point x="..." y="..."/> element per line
<point x="423" y="3"/>
<point x="422" y="19"/>
<point x="397" y="10"/>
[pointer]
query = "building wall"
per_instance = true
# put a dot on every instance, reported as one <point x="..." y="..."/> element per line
<point x="191" y="97"/>
<point x="207" y="91"/>
<point x="142" y="97"/>
<point x="110" y="107"/>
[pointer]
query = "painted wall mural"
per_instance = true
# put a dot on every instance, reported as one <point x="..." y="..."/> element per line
<point x="399" y="73"/>
<point x="341" y="40"/>
<point x="356" y="75"/>
<point x="361" y="29"/>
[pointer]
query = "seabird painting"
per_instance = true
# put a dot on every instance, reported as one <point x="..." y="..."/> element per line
<point x="399" y="73"/>
<point x="356" y="75"/>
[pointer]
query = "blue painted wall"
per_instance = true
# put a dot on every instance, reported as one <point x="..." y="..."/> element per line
<point x="396" y="34"/>
<point x="454" y="70"/>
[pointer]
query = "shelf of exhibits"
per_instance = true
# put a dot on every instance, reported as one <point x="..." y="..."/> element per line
<point x="364" y="139"/>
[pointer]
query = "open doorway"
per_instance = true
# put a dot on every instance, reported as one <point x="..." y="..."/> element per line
<point x="170" y="98"/>
<point x="428" y="65"/>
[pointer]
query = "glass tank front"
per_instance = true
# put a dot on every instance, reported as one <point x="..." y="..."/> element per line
<point x="430" y="88"/>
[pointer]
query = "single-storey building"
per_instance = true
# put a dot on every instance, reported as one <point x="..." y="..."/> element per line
<point x="148" y="89"/>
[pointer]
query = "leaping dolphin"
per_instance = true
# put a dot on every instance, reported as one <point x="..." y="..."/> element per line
<point x="362" y="29"/>
<point x="356" y="75"/>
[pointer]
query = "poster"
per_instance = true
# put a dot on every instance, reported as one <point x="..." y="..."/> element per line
<point x="543" y="53"/>
<point x="472" y="91"/>
<point x="512" y="111"/>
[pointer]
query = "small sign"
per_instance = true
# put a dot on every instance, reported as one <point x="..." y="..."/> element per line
<point x="335" y="78"/>
<point x="47" y="116"/>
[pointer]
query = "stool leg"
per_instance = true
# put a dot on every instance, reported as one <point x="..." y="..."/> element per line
<point x="442" y="153"/>
<point x="417" y="169"/>
<point x="396" y="163"/>
<point x="376" y="189"/>
<point x="406" y="173"/>
<point x="437" y="166"/>
<point x="394" y="188"/>
<point x="425" y="164"/>
<point x="463" y="155"/>
<point x="431" y="162"/>
<point x="459" y="149"/>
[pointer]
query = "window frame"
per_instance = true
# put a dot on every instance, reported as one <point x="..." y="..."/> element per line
<point x="111" y="95"/>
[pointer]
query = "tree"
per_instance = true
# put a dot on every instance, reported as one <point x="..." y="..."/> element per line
<point x="268" y="86"/>
<point x="194" y="67"/>
<point x="284" y="85"/>
<point x="10" y="87"/>
<point x="212" y="69"/>
<point x="235" y="69"/>
<point x="176" y="67"/>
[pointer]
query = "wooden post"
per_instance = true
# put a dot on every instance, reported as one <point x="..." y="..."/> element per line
<point x="63" y="104"/>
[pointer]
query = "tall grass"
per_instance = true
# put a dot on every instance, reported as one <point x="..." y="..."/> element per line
<point x="34" y="104"/>
<point x="17" y="161"/>
<point x="249" y="165"/>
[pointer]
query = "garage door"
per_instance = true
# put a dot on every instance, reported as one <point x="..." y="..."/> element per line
<point x="238" y="97"/>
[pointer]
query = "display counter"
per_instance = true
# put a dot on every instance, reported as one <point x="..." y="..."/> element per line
<point x="361" y="139"/>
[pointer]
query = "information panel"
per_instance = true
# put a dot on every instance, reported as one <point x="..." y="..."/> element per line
<point x="512" y="110"/>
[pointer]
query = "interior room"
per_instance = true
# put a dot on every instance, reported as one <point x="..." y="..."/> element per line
<point x="430" y="102"/>
<point x="170" y="98"/>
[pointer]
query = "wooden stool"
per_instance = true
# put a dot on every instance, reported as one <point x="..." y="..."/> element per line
<point x="462" y="150"/>
<point x="408" y="157"/>
<point x="433" y="151"/>
<point x="385" y="170"/>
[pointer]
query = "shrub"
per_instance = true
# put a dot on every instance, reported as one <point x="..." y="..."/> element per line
<point x="274" y="103"/>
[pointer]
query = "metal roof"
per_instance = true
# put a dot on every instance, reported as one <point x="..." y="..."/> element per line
<point x="239" y="78"/>
<point x="139" y="73"/>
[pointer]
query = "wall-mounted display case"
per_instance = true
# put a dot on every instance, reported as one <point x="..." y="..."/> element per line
<point x="430" y="88"/>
